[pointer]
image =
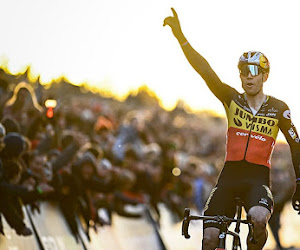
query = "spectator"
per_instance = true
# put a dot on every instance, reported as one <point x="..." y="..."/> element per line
<point x="11" y="192"/>
<point x="23" y="106"/>
<point x="107" y="163"/>
<point x="128" y="134"/>
<point x="15" y="145"/>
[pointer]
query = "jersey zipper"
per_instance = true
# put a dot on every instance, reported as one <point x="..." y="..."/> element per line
<point x="249" y="136"/>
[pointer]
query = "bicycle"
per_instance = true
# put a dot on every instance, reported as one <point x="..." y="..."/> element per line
<point x="224" y="222"/>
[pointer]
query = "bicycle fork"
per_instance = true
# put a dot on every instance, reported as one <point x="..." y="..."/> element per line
<point x="222" y="236"/>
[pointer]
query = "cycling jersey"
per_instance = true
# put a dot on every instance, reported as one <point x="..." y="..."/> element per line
<point x="250" y="143"/>
<point x="252" y="137"/>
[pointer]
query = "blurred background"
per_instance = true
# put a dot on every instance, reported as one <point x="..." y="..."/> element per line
<point x="107" y="133"/>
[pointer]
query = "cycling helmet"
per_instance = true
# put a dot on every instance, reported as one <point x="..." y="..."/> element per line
<point x="255" y="58"/>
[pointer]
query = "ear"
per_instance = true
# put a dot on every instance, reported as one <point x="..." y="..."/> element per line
<point x="265" y="77"/>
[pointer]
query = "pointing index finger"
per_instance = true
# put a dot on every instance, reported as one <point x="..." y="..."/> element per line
<point x="174" y="12"/>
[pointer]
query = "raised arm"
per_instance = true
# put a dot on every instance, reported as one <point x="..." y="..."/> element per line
<point x="194" y="58"/>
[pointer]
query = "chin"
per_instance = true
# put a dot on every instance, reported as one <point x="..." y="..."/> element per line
<point x="251" y="93"/>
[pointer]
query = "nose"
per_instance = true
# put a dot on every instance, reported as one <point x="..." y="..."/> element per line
<point x="249" y="75"/>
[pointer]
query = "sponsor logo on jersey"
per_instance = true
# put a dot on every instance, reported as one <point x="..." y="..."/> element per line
<point x="264" y="201"/>
<point x="239" y="118"/>
<point x="292" y="133"/>
<point x="273" y="110"/>
<point x="257" y="137"/>
<point x="287" y="114"/>
<point x="269" y="193"/>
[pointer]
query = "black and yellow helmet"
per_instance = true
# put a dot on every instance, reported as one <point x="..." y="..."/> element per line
<point x="255" y="58"/>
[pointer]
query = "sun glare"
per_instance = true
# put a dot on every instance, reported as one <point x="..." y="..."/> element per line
<point x="115" y="46"/>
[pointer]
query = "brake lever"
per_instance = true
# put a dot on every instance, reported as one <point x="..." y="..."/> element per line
<point x="185" y="223"/>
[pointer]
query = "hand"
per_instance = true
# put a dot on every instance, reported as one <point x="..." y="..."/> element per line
<point x="173" y="22"/>
<point x="25" y="231"/>
<point x="296" y="198"/>
<point x="35" y="207"/>
<point x="45" y="188"/>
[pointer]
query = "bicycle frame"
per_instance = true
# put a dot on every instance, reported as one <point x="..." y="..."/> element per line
<point x="224" y="224"/>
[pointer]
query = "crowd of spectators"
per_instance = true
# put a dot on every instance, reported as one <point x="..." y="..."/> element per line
<point x="86" y="152"/>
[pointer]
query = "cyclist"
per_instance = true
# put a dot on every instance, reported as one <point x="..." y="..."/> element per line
<point x="254" y="120"/>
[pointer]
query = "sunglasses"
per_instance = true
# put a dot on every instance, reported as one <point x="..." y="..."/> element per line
<point x="253" y="69"/>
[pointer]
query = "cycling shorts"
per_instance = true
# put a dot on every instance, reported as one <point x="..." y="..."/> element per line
<point x="241" y="179"/>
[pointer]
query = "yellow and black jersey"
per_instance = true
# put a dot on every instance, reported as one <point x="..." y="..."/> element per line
<point x="252" y="137"/>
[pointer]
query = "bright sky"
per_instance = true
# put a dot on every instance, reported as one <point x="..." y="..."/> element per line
<point x="122" y="44"/>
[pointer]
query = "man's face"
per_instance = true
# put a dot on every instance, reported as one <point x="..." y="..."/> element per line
<point x="253" y="84"/>
<point x="38" y="162"/>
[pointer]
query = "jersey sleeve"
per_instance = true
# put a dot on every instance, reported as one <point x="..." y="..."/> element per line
<point x="289" y="130"/>
<point x="223" y="92"/>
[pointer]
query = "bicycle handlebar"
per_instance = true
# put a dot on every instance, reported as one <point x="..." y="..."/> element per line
<point x="220" y="219"/>
<point x="185" y="223"/>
